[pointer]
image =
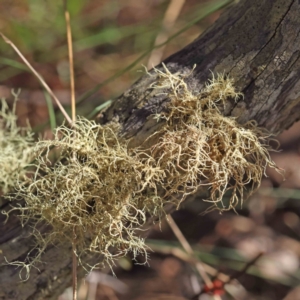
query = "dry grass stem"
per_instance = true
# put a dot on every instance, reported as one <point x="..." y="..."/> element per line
<point x="184" y="256"/>
<point x="73" y="106"/>
<point x="71" y="63"/>
<point x="168" y="22"/>
<point x="74" y="268"/>
<point x="187" y="247"/>
<point x="39" y="77"/>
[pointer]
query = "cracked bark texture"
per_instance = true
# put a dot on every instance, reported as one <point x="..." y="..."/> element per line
<point x="256" y="43"/>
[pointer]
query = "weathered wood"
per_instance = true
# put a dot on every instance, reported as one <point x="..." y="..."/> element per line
<point x="256" y="43"/>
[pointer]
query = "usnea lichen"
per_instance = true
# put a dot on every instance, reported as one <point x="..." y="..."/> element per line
<point x="200" y="147"/>
<point x="15" y="148"/>
<point x="94" y="190"/>
<point x="99" y="191"/>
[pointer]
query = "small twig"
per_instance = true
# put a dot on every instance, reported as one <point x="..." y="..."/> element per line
<point x="168" y="22"/>
<point x="39" y="77"/>
<point x="187" y="247"/>
<point x="233" y="276"/>
<point x="246" y="267"/>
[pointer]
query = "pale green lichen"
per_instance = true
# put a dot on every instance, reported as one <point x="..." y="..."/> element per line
<point x="96" y="190"/>
<point x="200" y="147"/>
<point x="99" y="192"/>
<point x="15" y="148"/>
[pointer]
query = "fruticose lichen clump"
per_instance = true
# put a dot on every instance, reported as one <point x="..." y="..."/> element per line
<point x="99" y="192"/>
<point x="94" y="195"/>
<point x="200" y="147"/>
<point x="15" y="148"/>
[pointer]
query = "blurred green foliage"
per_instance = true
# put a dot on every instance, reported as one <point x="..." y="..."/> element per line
<point x="107" y="35"/>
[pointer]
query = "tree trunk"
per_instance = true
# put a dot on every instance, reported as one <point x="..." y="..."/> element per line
<point x="256" y="43"/>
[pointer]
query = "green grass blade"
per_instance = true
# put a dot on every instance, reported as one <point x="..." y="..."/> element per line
<point x="99" y="108"/>
<point x="12" y="63"/>
<point x="51" y="112"/>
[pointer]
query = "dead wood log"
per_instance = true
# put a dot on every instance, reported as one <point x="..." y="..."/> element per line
<point x="254" y="42"/>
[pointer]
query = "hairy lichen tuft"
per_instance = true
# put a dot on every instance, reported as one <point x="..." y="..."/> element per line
<point x="94" y="190"/>
<point x="15" y="148"/>
<point x="102" y="191"/>
<point x="199" y="146"/>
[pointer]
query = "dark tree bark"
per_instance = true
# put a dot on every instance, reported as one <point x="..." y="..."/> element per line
<point x="256" y="43"/>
